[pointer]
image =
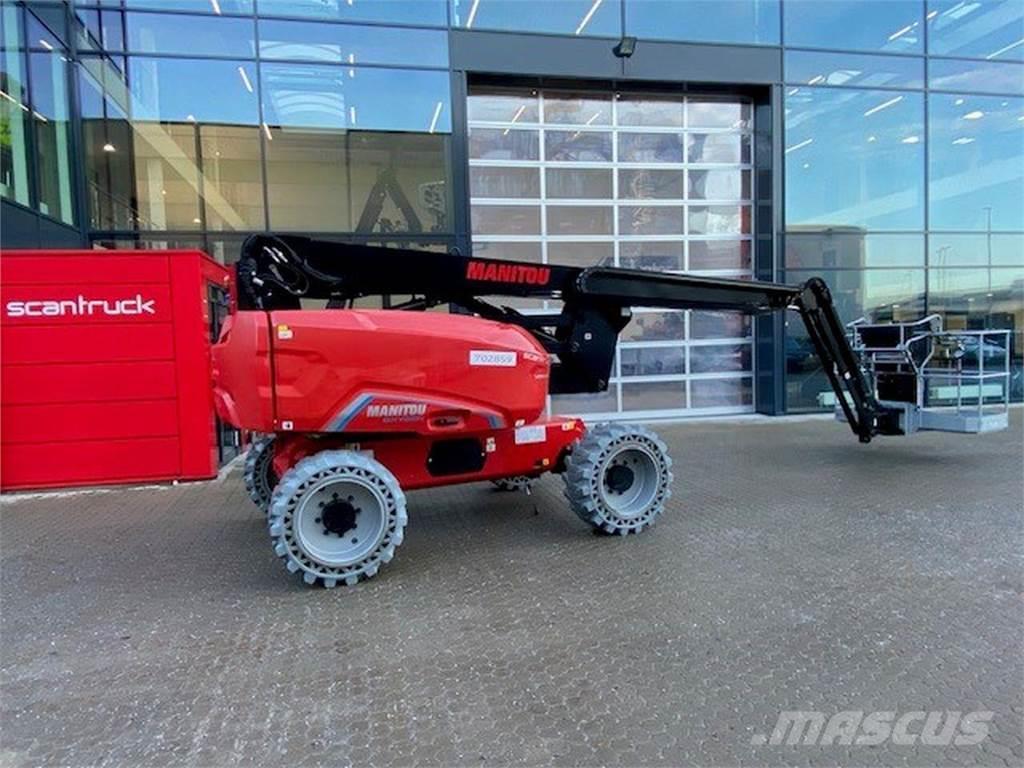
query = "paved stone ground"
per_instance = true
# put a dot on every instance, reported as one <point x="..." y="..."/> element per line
<point x="795" y="570"/>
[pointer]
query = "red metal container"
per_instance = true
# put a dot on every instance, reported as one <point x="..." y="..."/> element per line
<point x="105" y="367"/>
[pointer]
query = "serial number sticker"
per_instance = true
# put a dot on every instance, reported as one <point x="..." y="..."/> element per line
<point x="492" y="358"/>
<point x="531" y="434"/>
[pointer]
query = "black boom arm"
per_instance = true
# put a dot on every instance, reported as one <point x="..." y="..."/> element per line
<point x="279" y="272"/>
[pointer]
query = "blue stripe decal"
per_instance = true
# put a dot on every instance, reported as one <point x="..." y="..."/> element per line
<point x="348" y="413"/>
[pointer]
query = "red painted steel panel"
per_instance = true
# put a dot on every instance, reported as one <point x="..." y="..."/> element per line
<point x="95" y="421"/>
<point x="106" y="367"/>
<point x="95" y="462"/>
<point x="86" y="383"/>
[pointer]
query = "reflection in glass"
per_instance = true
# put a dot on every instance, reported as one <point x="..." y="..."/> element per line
<point x="232" y="177"/>
<point x="52" y="124"/>
<point x="652" y="361"/>
<point x="599" y="18"/>
<point x="653" y="396"/>
<point x="719" y="219"/>
<point x="713" y="21"/>
<point x="191" y="6"/>
<point x="719" y="185"/>
<point x="190" y="35"/>
<point x="356" y="98"/>
<point x="190" y="90"/>
<point x="719" y="325"/>
<point x="720" y="358"/>
<point x="577" y="108"/>
<point x="894" y="26"/>
<point x="732" y="255"/>
<point x="431" y="13"/>
<point x="976" y="76"/>
<point x="508" y="251"/>
<point x="976" y="162"/>
<point x="718" y="113"/>
<point x="650" y="147"/>
<point x="882" y="295"/>
<point x="851" y="248"/>
<point x="504" y="182"/>
<point x="13" y="118"/>
<point x="661" y="256"/>
<point x="962" y="250"/>
<point x="578" y="146"/>
<point x="989" y="30"/>
<point x="660" y="111"/>
<point x="586" y="183"/>
<point x="651" y="184"/>
<point x="505" y="219"/>
<point x="351" y="44"/>
<point x="581" y="254"/>
<point x="853" y="70"/>
<point x="579" y="219"/>
<point x="650" y="220"/>
<point x="718" y="148"/>
<point x="655" y="326"/>
<point x="498" y="144"/>
<point x="577" y="405"/>
<point x="503" y="105"/>
<point x="721" y="393"/>
<point x="167" y="176"/>
<point x="854" y="158"/>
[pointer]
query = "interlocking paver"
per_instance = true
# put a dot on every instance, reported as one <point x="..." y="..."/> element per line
<point x="794" y="570"/>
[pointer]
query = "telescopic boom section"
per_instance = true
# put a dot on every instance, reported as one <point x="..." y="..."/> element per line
<point x="278" y="272"/>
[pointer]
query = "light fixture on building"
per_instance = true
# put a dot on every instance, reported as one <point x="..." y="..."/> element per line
<point x="625" y="48"/>
<point x="108" y="147"/>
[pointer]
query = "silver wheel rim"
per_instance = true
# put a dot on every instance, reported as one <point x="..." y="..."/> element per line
<point x="340" y="521"/>
<point x="630" y="481"/>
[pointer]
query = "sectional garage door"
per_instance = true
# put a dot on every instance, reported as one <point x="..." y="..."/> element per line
<point x="642" y="180"/>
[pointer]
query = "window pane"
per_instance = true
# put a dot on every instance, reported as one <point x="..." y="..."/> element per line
<point x="720" y="358"/>
<point x="989" y="30"/>
<point x="718" y="113"/>
<point x="232" y="179"/>
<point x="577" y="109"/>
<point x="504" y="105"/>
<point x="581" y="254"/>
<point x="666" y="256"/>
<point x="579" y="183"/>
<point x="107" y="145"/>
<point x="976" y="76"/>
<point x="976" y="162"/>
<point x="578" y="146"/>
<point x="721" y="393"/>
<point x="877" y="180"/>
<point x="192" y="6"/>
<point x="850" y="69"/>
<point x="651" y="184"/>
<point x="566" y="17"/>
<point x="352" y="44"/>
<point x="166" y="175"/>
<point x="717" y="21"/>
<point x="881" y="295"/>
<point x="14" y="117"/>
<point x="862" y="25"/>
<point x="719" y="219"/>
<point x="836" y="249"/>
<point x="191" y="35"/>
<point x="52" y="121"/>
<point x="498" y="144"/>
<point x="654" y="396"/>
<point x="651" y="220"/>
<point x="719" y="185"/>
<point x="656" y="326"/>
<point x="975" y="250"/>
<point x="719" y="325"/>
<point x="662" y="111"/>
<point x="430" y="13"/>
<point x="508" y="251"/>
<point x="718" y="148"/>
<point x="733" y="255"/>
<point x="650" y="148"/>
<point x="505" y="219"/>
<point x="192" y="90"/>
<point x="579" y="220"/>
<point x="652" y="361"/>
<point x="356" y="98"/>
<point x="504" y="182"/>
<point x="575" y="405"/>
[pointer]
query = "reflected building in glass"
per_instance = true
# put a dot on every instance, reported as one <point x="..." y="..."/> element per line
<point x="877" y="143"/>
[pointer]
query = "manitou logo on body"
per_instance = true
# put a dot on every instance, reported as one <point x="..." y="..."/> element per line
<point x="521" y="274"/>
<point x="81" y="307"/>
<point x="396" y="411"/>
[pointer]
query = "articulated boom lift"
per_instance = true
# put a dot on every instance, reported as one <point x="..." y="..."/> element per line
<point x="358" y="405"/>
